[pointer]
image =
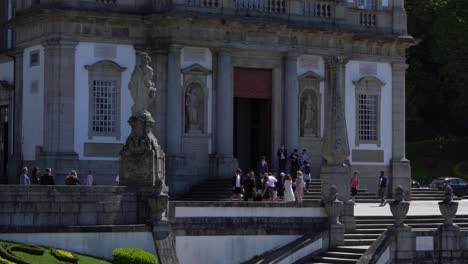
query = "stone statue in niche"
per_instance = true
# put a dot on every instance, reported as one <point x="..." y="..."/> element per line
<point x="193" y="104"/>
<point x="141" y="86"/>
<point x="309" y="115"/>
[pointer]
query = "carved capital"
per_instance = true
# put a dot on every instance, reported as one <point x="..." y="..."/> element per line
<point x="399" y="66"/>
<point x="335" y="62"/>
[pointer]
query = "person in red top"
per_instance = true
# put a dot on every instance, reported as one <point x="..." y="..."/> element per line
<point x="354" y="185"/>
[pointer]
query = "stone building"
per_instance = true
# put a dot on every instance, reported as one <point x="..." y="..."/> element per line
<point x="235" y="78"/>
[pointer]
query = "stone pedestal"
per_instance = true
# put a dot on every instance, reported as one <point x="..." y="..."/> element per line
<point x="399" y="211"/>
<point x="404" y="246"/>
<point x="401" y="175"/>
<point x="347" y="218"/>
<point x="336" y="235"/>
<point x="337" y="175"/>
<point x="448" y="210"/>
<point x="223" y="166"/>
<point x="142" y="161"/>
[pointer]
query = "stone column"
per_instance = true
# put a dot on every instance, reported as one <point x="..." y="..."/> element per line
<point x="224" y="163"/>
<point x="15" y="161"/>
<point x="59" y="106"/>
<point x="335" y="150"/>
<point x="291" y="103"/>
<point x="401" y="170"/>
<point x="174" y="108"/>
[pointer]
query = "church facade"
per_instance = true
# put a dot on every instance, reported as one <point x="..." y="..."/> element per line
<point x="235" y="79"/>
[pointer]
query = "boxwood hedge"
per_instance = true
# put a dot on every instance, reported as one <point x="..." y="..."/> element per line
<point x="133" y="256"/>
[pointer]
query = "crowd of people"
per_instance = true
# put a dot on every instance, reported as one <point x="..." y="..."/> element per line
<point x="288" y="187"/>
<point x="263" y="185"/>
<point x="36" y="178"/>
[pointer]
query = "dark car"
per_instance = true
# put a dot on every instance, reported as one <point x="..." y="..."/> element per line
<point x="459" y="186"/>
<point x="415" y="184"/>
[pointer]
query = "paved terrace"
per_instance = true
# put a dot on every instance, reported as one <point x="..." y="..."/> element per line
<point x="416" y="208"/>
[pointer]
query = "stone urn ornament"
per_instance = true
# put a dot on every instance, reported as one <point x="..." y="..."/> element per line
<point x="399" y="207"/>
<point x="333" y="207"/>
<point x="448" y="208"/>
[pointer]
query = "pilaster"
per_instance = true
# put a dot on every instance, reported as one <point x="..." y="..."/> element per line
<point x="225" y="163"/>
<point x="335" y="149"/>
<point x="291" y="101"/>
<point x="16" y="160"/>
<point x="174" y="108"/>
<point x="59" y="96"/>
<point x="401" y="169"/>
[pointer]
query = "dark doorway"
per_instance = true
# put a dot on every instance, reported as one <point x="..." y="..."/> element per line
<point x="252" y="116"/>
<point x="252" y="137"/>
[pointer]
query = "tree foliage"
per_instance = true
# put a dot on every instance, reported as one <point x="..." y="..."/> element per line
<point x="437" y="79"/>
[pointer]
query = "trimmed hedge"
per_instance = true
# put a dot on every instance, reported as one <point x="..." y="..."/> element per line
<point x="8" y="255"/>
<point x="63" y="255"/>
<point x="461" y="170"/>
<point x="133" y="256"/>
<point x="29" y="249"/>
<point x="5" y="261"/>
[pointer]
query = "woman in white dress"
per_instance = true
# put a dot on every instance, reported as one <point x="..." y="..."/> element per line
<point x="300" y="184"/>
<point x="288" y="191"/>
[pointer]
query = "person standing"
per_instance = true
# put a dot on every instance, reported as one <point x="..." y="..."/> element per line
<point x="24" y="178"/>
<point x="280" y="185"/>
<point x="382" y="188"/>
<point x="299" y="187"/>
<point x="282" y="155"/>
<point x="288" y="191"/>
<point x="354" y="185"/>
<point x="47" y="178"/>
<point x="304" y="157"/>
<point x="271" y="180"/>
<point x="262" y="166"/>
<point x="72" y="179"/>
<point x="35" y="176"/>
<point x="89" y="178"/>
<point x="237" y="185"/>
<point x="294" y="160"/>
<point x="249" y="186"/>
<point x="307" y="176"/>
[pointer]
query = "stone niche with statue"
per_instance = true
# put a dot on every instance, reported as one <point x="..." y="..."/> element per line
<point x="310" y="101"/>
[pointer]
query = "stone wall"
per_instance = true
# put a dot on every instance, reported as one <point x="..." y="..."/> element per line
<point x="47" y="206"/>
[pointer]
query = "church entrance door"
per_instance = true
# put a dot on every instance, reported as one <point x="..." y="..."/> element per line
<point x="252" y="116"/>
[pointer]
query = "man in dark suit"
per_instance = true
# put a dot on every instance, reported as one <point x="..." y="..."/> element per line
<point x="47" y="178"/>
<point x="282" y="155"/>
<point x="262" y="166"/>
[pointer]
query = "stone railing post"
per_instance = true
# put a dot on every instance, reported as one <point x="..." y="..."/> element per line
<point x="448" y="234"/>
<point x="404" y="239"/>
<point x="334" y="208"/>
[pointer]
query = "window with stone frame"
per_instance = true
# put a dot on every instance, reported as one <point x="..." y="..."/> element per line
<point x="367" y="4"/>
<point x="104" y="99"/>
<point x="368" y="123"/>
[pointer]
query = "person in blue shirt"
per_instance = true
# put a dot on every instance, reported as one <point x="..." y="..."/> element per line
<point x="24" y="177"/>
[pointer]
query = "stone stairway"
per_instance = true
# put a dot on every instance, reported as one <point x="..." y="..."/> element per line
<point x="221" y="190"/>
<point x="369" y="228"/>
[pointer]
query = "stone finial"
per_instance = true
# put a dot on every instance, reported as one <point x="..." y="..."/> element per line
<point x="399" y="207"/>
<point x="333" y="206"/>
<point x="448" y="194"/>
<point x="399" y="194"/>
<point x="448" y="208"/>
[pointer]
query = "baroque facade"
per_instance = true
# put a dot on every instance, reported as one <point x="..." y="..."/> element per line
<point x="235" y="79"/>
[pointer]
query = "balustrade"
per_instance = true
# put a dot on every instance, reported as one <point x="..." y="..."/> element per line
<point x="261" y="6"/>
<point x="204" y="3"/>
<point x="318" y="9"/>
<point x="368" y="19"/>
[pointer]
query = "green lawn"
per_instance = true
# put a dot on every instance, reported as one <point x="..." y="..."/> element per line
<point x="47" y="258"/>
<point x="430" y="159"/>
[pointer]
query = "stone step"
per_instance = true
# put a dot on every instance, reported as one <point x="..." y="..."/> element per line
<point x="333" y="260"/>
<point x="341" y="255"/>
<point x="361" y="236"/>
<point x="351" y="249"/>
<point x="358" y="242"/>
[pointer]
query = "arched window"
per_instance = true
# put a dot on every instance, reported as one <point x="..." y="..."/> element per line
<point x="104" y="99"/>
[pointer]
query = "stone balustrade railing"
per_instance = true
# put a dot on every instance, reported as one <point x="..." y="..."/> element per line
<point x="340" y="14"/>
